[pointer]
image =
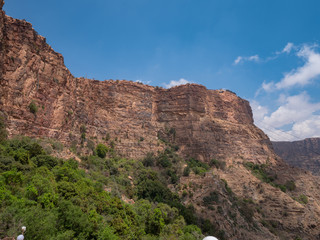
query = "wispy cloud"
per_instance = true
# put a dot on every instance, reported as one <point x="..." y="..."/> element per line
<point x="239" y="59"/>
<point x="304" y="74"/>
<point x="173" y="83"/>
<point x="255" y="58"/>
<point x="287" y="48"/>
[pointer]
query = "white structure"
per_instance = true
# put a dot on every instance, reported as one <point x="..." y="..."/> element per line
<point x="20" y="237"/>
<point x="210" y="238"/>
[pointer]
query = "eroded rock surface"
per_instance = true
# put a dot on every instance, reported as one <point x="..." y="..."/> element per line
<point x="206" y="122"/>
<point x="41" y="98"/>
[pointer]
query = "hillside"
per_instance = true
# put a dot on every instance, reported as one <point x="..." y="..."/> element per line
<point x="201" y="144"/>
<point x="304" y="154"/>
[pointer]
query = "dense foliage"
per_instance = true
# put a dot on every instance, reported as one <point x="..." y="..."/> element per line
<point x="62" y="199"/>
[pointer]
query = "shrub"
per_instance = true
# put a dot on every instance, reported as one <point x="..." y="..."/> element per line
<point x="228" y="189"/>
<point x="246" y="210"/>
<point x="90" y="145"/>
<point x="83" y="130"/>
<point x="45" y="160"/>
<point x="186" y="171"/>
<point x="290" y="185"/>
<point x="217" y="164"/>
<point x="102" y="150"/>
<point x="213" y="197"/>
<point x="164" y="161"/>
<point x="149" y="160"/>
<point x="107" y="137"/>
<point x="197" y="167"/>
<point x="303" y="199"/>
<point x="33" y="107"/>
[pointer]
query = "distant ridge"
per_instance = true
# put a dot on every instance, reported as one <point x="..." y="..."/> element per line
<point x="304" y="154"/>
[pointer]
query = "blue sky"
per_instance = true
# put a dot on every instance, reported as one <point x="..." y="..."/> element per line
<point x="266" y="51"/>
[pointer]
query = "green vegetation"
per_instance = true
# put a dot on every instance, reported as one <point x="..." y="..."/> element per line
<point x="3" y="130"/>
<point x="303" y="199"/>
<point x="33" y="107"/>
<point x="261" y="172"/>
<point x="290" y="185"/>
<point x="228" y="189"/>
<point x="167" y="135"/>
<point x="101" y="150"/>
<point x="213" y="197"/>
<point x="218" y="164"/>
<point x="197" y="167"/>
<point x="83" y="130"/>
<point x="58" y="199"/>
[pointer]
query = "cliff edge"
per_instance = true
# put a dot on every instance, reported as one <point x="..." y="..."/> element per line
<point x="39" y="97"/>
<point x="205" y="122"/>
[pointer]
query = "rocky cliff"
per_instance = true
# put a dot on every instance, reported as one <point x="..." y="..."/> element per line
<point x="206" y="122"/>
<point x="304" y="154"/>
<point x="39" y="97"/>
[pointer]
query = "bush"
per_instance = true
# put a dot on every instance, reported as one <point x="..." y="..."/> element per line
<point x="197" y="167"/>
<point x="164" y="161"/>
<point x="186" y="171"/>
<point x="290" y="185"/>
<point x="303" y="199"/>
<point x="102" y="150"/>
<point x="213" y="197"/>
<point x="149" y="160"/>
<point x="33" y="107"/>
<point x="45" y="160"/>
<point x="217" y="164"/>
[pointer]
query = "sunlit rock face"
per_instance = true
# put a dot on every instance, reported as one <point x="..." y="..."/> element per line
<point x="206" y="122"/>
<point x="39" y="97"/>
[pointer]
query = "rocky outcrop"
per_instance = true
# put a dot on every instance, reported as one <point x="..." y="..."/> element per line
<point x="205" y="122"/>
<point x="304" y="154"/>
<point x="41" y="98"/>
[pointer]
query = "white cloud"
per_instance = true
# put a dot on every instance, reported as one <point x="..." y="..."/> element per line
<point x="297" y="111"/>
<point x="173" y="83"/>
<point x="296" y="117"/>
<point x="287" y="48"/>
<point x="258" y="110"/>
<point x="238" y="60"/>
<point x="300" y="130"/>
<point x="305" y="74"/>
<point x="296" y="108"/>
<point x="268" y="87"/>
<point x="254" y="58"/>
<point x="307" y="128"/>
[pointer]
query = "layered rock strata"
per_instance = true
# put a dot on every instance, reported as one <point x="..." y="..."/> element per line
<point x="41" y="98"/>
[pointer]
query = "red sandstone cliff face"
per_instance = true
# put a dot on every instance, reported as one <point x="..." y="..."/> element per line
<point x="205" y="124"/>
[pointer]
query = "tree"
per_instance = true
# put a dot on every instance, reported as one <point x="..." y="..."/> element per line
<point x="102" y="150"/>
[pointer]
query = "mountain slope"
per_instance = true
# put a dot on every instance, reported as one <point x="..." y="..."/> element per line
<point x="304" y="154"/>
<point x="246" y="193"/>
